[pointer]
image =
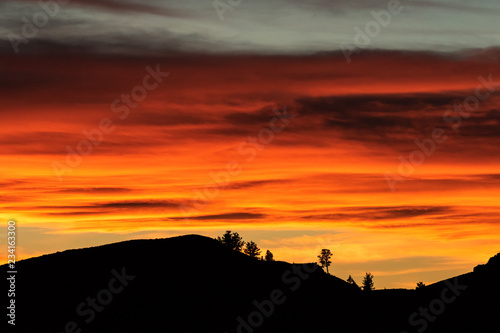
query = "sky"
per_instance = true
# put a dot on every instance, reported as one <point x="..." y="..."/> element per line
<point x="368" y="128"/>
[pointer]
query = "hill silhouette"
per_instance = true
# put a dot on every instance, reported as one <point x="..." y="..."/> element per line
<point x="194" y="284"/>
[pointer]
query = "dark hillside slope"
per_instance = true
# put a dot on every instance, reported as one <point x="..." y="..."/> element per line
<point x="189" y="283"/>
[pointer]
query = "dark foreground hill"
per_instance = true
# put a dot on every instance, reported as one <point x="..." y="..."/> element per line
<point x="193" y="284"/>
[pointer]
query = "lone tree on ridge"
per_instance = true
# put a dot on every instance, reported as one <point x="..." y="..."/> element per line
<point x="324" y="258"/>
<point x="368" y="282"/>
<point x="269" y="256"/>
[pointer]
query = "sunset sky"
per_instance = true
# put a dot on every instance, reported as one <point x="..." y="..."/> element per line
<point x="135" y="119"/>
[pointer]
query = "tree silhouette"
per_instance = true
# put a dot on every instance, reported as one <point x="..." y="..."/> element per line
<point x="368" y="282"/>
<point x="350" y="280"/>
<point x="252" y="249"/>
<point x="324" y="258"/>
<point x="232" y="241"/>
<point x="420" y="285"/>
<point x="269" y="256"/>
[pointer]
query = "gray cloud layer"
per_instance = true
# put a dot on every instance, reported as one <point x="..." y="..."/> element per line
<point x="257" y="26"/>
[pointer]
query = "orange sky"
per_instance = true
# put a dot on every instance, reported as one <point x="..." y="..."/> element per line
<point x="318" y="183"/>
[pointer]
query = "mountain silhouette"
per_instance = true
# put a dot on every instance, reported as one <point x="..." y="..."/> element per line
<point x="194" y="284"/>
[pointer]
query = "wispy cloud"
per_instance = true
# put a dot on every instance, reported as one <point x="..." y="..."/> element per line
<point x="226" y="216"/>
